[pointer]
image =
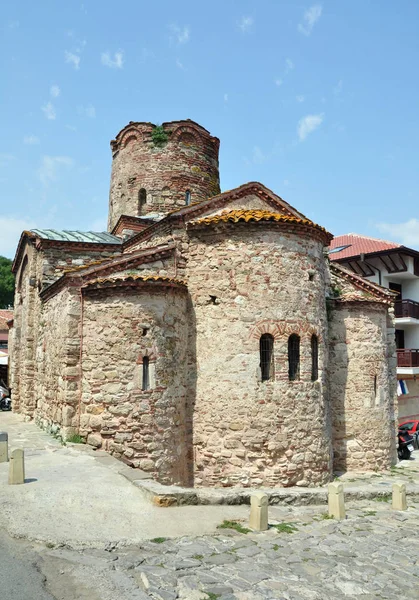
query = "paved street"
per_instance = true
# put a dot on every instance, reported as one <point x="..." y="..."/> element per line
<point x="88" y="534"/>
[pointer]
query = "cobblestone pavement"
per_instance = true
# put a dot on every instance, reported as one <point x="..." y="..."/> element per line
<point x="374" y="553"/>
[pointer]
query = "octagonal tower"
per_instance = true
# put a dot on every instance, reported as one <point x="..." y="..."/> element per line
<point x="157" y="169"/>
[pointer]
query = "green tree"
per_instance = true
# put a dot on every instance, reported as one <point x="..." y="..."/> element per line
<point x="7" y="283"/>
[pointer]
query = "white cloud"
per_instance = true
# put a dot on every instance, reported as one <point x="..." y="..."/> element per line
<point x="11" y="229"/>
<point x="286" y="182"/>
<point x="49" y="111"/>
<point x="87" y="111"/>
<point x="258" y="156"/>
<point x="300" y="98"/>
<point x="338" y="88"/>
<point x="225" y="97"/>
<point x="72" y="59"/>
<point x="289" y="65"/>
<point x="31" y="140"/>
<point x="407" y="233"/>
<point x="308" y="124"/>
<point x="278" y="82"/>
<point x="310" y="17"/>
<point x="180" y="65"/>
<point x="116" y="62"/>
<point x="245" y="24"/>
<point x="50" y="166"/>
<point x="181" y="34"/>
<point x="55" y="91"/>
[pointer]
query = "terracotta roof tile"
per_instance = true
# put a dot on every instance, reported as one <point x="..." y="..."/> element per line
<point x="353" y="244"/>
<point x="124" y="277"/>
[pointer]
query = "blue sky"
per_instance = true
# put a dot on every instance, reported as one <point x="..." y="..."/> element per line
<point x="317" y="100"/>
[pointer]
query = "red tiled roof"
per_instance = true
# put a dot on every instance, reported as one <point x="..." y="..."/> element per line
<point x="358" y="244"/>
<point x="5" y="315"/>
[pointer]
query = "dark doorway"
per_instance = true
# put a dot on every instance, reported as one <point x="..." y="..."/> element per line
<point x="396" y="287"/>
<point x="399" y="339"/>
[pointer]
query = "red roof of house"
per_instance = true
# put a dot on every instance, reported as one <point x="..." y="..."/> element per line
<point x="5" y="315"/>
<point x="353" y="244"/>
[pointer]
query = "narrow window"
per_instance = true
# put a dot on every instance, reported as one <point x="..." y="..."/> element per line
<point x="314" y="358"/>
<point x="146" y="373"/>
<point x="293" y="357"/>
<point x="142" y="199"/>
<point x="375" y="386"/>
<point x="187" y="197"/>
<point x="266" y="348"/>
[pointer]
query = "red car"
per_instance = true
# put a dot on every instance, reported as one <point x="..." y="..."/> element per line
<point x="413" y="428"/>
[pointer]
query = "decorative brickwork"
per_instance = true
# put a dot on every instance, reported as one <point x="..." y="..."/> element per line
<point x="215" y="346"/>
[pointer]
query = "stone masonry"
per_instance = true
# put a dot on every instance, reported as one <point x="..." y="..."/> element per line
<point x="207" y="340"/>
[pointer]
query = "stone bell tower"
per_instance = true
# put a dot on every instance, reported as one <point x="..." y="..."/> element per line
<point x="157" y="169"/>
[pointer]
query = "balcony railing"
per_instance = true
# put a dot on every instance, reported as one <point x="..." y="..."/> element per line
<point x="406" y="308"/>
<point x="408" y="358"/>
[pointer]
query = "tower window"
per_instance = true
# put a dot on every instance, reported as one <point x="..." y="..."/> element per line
<point x="266" y="349"/>
<point x="146" y="373"/>
<point x="142" y="199"/>
<point x="187" y="197"/>
<point x="293" y="357"/>
<point x="314" y="358"/>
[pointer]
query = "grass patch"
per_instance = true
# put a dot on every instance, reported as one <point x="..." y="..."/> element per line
<point x="50" y="545"/>
<point x="198" y="556"/>
<point x="212" y="596"/>
<point x="324" y="516"/>
<point x="233" y="525"/>
<point x="383" y="498"/>
<point x="370" y="513"/>
<point x="276" y="547"/>
<point x="286" y="527"/>
<point x="158" y="540"/>
<point x="75" y="439"/>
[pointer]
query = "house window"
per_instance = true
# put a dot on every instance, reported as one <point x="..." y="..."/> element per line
<point x="266" y="348"/>
<point x="187" y="197"/>
<point x="314" y="358"/>
<point x="146" y="373"/>
<point x="142" y="199"/>
<point x="293" y="357"/>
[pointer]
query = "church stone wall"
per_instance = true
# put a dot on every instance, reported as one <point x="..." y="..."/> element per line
<point x="362" y="386"/>
<point x="57" y="377"/>
<point x="245" y="281"/>
<point x="145" y="428"/>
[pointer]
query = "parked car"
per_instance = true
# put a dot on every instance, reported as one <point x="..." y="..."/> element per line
<point x="411" y="427"/>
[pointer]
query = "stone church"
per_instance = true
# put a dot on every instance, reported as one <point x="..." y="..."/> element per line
<point x="205" y="337"/>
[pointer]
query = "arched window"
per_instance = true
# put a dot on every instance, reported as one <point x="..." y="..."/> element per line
<point x="266" y="349"/>
<point x="142" y="199"/>
<point x="314" y="358"/>
<point x="146" y="373"/>
<point x="293" y="357"/>
<point x="187" y="197"/>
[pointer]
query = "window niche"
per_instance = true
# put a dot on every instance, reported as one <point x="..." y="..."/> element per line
<point x="142" y="199"/>
<point x="187" y="197"/>
<point x="314" y="358"/>
<point x="146" y="373"/>
<point x="266" y="351"/>
<point x="294" y="357"/>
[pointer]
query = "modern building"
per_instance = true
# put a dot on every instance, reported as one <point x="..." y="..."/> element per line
<point x="6" y="316"/>
<point x="205" y="337"/>
<point x="396" y="267"/>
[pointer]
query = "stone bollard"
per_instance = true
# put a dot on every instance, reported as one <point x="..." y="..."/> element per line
<point x="17" y="467"/>
<point x="336" y="501"/>
<point x="258" y="511"/>
<point x="399" y="496"/>
<point x="4" y="444"/>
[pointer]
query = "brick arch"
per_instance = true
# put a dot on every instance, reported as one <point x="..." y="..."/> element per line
<point x="152" y="356"/>
<point x="283" y="329"/>
<point x="129" y="136"/>
<point x="183" y="131"/>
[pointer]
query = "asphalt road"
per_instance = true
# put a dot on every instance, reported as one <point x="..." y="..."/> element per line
<point x="19" y="577"/>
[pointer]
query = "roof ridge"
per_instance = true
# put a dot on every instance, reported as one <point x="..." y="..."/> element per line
<point x="366" y="237"/>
